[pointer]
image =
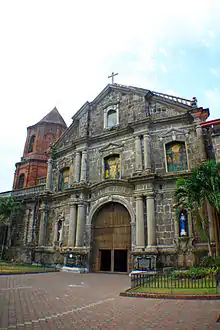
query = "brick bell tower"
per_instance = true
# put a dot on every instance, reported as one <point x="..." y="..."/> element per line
<point x="32" y="169"/>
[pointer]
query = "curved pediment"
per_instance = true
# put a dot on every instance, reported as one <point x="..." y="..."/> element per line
<point x="111" y="147"/>
<point x="109" y="187"/>
<point x="173" y="133"/>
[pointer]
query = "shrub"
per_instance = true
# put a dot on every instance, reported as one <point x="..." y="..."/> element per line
<point x="193" y="273"/>
<point x="207" y="261"/>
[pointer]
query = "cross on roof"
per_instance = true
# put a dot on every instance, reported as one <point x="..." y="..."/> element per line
<point x="112" y="76"/>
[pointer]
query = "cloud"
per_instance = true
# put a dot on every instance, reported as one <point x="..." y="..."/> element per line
<point x="163" y="68"/>
<point x="213" y="99"/>
<point x="163" y="51"/>
<point x="215" y="72"/>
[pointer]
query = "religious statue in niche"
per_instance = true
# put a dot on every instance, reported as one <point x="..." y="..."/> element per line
<point x="112" y="167"/>
<point x="183" y="223"/>
<point x="59" y="232"/>
<point x="176" y="157"/>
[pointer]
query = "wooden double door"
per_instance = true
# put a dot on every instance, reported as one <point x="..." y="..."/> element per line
<point x="111" y="239"/>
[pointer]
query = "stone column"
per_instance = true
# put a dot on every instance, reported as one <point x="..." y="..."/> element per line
<point x="138" y="157"/>
<point x="72" y="226"/>
<point x="201" y="143"/>
<point x="83" y="173"/>
<point x="49" y="174"/>
<point x="81" y="219"/>
<point x="151" y="224"/>
<point x="147" y="152"/>
<point x="78" y="165"/>
<point x="140" y="239"/>
<point x="43" y="226"/>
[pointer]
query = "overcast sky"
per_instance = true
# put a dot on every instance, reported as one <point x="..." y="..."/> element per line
<point x="60" y="53"/>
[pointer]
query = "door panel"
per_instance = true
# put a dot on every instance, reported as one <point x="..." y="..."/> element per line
<point x="110" y="230"/>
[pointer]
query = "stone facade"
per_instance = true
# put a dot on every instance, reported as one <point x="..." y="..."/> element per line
<point x="135" y="126"/>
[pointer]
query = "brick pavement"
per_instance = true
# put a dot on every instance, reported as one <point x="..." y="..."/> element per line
<point x="46" y="301"/>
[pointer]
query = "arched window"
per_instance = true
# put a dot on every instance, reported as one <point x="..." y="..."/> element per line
<point x="112" y="167"/>
<point x="111" y="118"/>
<point x="31" y="144"/>
<point x="176" y="156"/>
<point x="63" y="179"/>
<point x="21" y="181"/>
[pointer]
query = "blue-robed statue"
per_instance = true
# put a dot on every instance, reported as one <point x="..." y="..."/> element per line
<point x="183" y="224"/>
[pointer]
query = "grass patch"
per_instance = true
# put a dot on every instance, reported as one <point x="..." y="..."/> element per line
<point x="197" y="291"/>
<point x="22" y="269"/>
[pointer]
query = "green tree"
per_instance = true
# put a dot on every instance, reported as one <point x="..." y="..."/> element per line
<point x="201" y="187"/>
<point x="9" y="208"/>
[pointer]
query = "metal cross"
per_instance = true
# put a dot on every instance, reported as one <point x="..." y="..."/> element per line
<point x="112" y="76"/>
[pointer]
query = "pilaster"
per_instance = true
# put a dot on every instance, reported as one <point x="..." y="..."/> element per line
<point x="140" y="237"/>
<point x="43" y="225"/>
<point x="147" y="152"/>
<point x="138" y="156"/>
<point x="81" y="219"/>
<point x="72" y="226"/>
<point x="151" y="224"/>
<point x="201" y="142"/>
<point x="49" y="174"/>
<point x="83" y="173"/>
<point x="78" y="165"/>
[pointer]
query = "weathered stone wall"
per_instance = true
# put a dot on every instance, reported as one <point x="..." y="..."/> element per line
<point x="160" y="122"/>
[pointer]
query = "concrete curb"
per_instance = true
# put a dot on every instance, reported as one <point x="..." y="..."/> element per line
<point x="26" y="273"/>
<point x="133" y="294"/>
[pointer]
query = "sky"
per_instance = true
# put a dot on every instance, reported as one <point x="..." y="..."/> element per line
<point x="60" y="53"/>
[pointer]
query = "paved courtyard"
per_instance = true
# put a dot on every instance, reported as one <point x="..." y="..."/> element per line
<point x="92" y="301"/>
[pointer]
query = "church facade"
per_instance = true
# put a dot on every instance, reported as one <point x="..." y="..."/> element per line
<point x="107" y="202"/>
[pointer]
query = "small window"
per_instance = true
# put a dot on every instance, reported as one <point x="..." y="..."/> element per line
<point x="31" y="144"/>
<point x="21" y="181"/>
<point x="112" y="118"/>
<point x="63" y="179"/>
<point x="176" y="157"/>
<point x="112" y="167"/>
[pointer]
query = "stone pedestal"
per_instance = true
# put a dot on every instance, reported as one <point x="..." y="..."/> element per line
<point x="81" y="218"/>
<point x="72" y="226"/>
<point x="151" y="224"/>
<point x="138" y="156"/>
<point x="140" y="237"/>
<point x="78" y="166"/>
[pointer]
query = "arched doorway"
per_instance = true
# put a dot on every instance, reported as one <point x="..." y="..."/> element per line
<point x="111" y="239"/>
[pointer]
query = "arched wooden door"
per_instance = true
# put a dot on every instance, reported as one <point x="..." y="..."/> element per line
<point x="111" y="239"/>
